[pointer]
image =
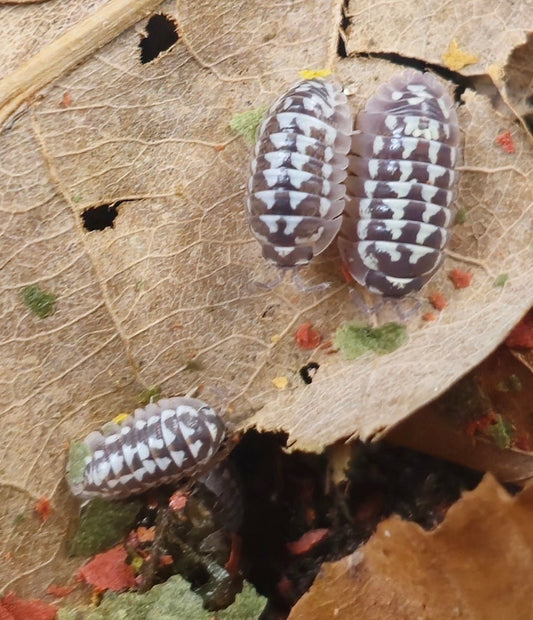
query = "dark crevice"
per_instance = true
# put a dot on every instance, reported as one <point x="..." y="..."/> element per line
<point x="482" y="83"/>
<point x="343" y="27"/>
<point x="100" y="217"/>
<point x="287" y="495"/>
<point x="161" y="34"/>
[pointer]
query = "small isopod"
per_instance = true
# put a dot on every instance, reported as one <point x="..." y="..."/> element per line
<point x="160" y="443"/>
<point x="401" y="185"/>
<point x="296" y="191"/>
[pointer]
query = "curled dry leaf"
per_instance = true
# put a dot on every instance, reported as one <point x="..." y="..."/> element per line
<point x="163" y="292"/>
<point x="476" y="564"/>
<point x="483" y="422"/>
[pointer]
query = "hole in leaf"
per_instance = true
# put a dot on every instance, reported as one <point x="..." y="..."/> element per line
<point x="98" y="218"/>
<point x="343" y="27"/>
<point x="308" y="371"/>
<point x="161" y="34"/>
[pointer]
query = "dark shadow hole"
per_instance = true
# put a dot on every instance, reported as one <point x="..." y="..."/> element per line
<point x="98" y="218"/>
<point x="161" y="34"/>
<point x="308" y="371"/>
<point x="461" y="82"/>
<point x="343" y="27"/>
<point x="286" y="495"/>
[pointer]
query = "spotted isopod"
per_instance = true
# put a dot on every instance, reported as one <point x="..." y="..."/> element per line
<point x="401" y="185"/>
<point x="160" y="443"/>
<point x="296" y="191"/>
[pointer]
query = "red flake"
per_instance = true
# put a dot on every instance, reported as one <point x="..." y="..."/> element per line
<point x="285" y="587"/>
<point x="460" y="278"/>
<point x="505" y="140"/>
<point x="220" y="147"/>
<point x="177" y="501"/>
<point x="429" y="316"/>
<point x="166" y="560"/>
<point x="522" y="335"/>
<point x="438" y="301"/>
<point x="60" y="591"/>
<point x="145" y="534"/>
<point x="43" y="508"/>
<point x="306" y="542"/>
<point x="234" y="560"/>
<point x="109" y="571"/>
<point x="14" y="608"/>
<point x="481" y="424"/>
<point x="307" y="338"/>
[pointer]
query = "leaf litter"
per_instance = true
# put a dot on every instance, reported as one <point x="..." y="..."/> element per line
<point x="182" y="231"/>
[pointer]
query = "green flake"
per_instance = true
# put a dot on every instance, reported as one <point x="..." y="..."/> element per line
<point x="172" y="600"/>
<point x="246" y="123"/>
<point x="501" y="279"/>
<point x="511" y="384"/>
<point x="501" y="433"/>
<point x="465" y="400"/>
<point x="38" y="301"/>
<point x="19" y="519"/>
<point x="353" y="340"/>
<point x="102" y="525"/>
<point x="460" y="216"/>
<point x="77" y="198"/>
<point x="78" y="452"/>
<point x="149" y="395"/>
<point x="193" y="366"/>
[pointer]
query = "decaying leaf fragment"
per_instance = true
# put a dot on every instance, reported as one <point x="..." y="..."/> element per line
<point x="476" y="564"/>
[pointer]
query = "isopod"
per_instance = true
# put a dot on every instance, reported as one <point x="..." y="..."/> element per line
<point x="296" y="192"/>
<point x="401" y="185"/>
<point x="160" y="443"/>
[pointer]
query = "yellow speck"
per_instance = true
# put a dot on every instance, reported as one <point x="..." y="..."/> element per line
<point x="120" y="418"/>
<point x="275" y="338"/>
<point x="280" y="382"/>
<point x="310" y="74"/>
<point x="455" y="58"/>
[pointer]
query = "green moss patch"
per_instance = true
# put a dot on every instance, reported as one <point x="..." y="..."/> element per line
<point x="353" y="340"/>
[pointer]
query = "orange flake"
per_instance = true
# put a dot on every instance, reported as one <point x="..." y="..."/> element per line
<point x="234" y="560"/>
<point x="109" y="571"/>
<point x="522" y="335"/>
<point x="307" y="337"/>
<point x="505" y="140"/>
<point x="220" y="147"/>
<point x="177" y="501"/>
<point x="345" y="271"/>
<point x="166" y="560"/>
<point x="429" y="316"/>
<point x="145" y="534"/>
<point x="438" y="301"/>
<point x="306" y="542"/>
<point x="43" y="508"/>
<point x="66" y="100"/>
<point x="460" y="278"/>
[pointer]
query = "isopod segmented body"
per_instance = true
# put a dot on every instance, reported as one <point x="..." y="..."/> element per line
<point x="401" y="185"/>
<point x="296" y="191"/>
<point x="160" y="443"/>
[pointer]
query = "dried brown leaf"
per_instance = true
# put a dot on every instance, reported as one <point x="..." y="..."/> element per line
<point x="476" y="564"/>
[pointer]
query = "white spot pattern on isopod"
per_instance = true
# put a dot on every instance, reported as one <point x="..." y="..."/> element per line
<point x="401" y="185"/>
<point x="296" y="193"/>
<point x="162" y="443"/>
